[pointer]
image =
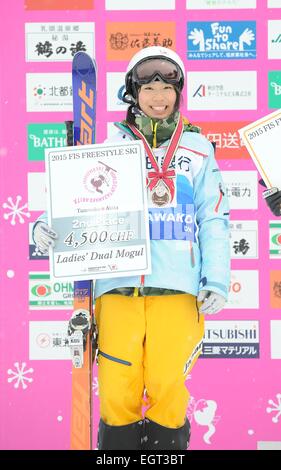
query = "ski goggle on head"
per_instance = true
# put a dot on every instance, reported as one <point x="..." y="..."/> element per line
<point x="146" y="70"/>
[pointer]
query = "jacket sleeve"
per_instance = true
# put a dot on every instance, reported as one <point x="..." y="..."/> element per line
<point x="212" y="218"/>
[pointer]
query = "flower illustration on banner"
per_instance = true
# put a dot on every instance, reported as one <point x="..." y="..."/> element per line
<point x="204" y="413"/>
<point x="275" y="408"/>
<point x="19" y="376"/>
<point x="17" y="211"/>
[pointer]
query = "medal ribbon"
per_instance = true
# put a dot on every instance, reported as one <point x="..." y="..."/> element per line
<point x="163" y="173"/>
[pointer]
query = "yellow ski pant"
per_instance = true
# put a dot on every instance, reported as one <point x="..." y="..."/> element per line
<point x="147" y="346"/>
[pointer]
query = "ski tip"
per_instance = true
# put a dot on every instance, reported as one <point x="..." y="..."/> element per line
<point x="83" y="64"/>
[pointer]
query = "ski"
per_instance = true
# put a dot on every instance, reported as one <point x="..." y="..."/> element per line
<point x="81" y="330"/>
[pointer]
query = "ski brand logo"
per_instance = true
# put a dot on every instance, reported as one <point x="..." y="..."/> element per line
<point x="101" y="181"/>
<point x="86" y="121"/>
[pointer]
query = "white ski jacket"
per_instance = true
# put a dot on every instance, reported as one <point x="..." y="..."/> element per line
<point x="189" y="265"/>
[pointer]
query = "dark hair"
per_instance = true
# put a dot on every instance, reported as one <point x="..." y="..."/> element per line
<point x="134" y="106"/>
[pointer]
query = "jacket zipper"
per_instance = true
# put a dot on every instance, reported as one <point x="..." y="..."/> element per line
<point x="154" y="133"/>
<point x="115" y="359"/>
<point x="154" y="129"/>
<point x="220" y="198"/>
<point x="192" y="257"/>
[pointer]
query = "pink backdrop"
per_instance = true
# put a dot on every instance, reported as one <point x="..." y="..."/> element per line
<point x="233" y="393"/>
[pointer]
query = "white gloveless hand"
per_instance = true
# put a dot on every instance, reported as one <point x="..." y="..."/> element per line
<point x="44" y="236"/>
<point x="212" y="302"/>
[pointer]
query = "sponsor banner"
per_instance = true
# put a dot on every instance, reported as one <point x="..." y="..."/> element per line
<point x="221" y="40"/>
<point x="58" y="42"/>
<point x="244" y="290"/>
<point x="274" y="89"/>
<point x="37" y="200"/>
<point x="275" y="335"/>
<point x="44" y="136"/>
<point x="231" y="339"/>
<point x="48" y="92"/>
<point x="244" y="239"/>
<point x="274" y="39"/>
<point x="220" y="4"/>
<point x="275" y="289"/>
<point x="48" y="340"/>
<point x="274" y="240"/>
<point x="115" y="83"/>
<point x="269" y="445"/>
<point x="226" y="137"/>
<point x="274" y="3"/>
<point x="45" y="294"/>
<point x="34" y="252"/>
<point x="143" y="5"/>
<point x="241" y="189"/>
<point x="125" y="39"/>
<point x="59" y="4"/>
<point x="224" y="90"/>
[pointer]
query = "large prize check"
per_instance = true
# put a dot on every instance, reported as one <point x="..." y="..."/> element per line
<point x="262" y="139"/>
<point x="97" y="203"/>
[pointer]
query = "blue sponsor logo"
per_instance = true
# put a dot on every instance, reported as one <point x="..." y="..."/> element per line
<point x="173" y="223"/>
<point x="221" y="40"/>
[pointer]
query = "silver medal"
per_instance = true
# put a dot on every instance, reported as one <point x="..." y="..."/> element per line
<point x="161" y="195"/>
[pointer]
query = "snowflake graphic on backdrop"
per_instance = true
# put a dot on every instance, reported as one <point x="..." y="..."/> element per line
<point x="275" y="407"/>
<point x="19" y="376"/>
<point x="17" y="211"/>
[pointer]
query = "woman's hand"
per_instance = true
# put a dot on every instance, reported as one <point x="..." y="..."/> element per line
<point x="272" y="198"/>
<point x="44" y="236"/>
<point x="212" y="302"/>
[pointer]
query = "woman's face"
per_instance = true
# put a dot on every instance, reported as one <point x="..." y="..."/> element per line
<point x="157" y="99"/>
